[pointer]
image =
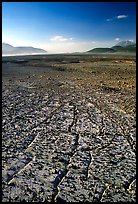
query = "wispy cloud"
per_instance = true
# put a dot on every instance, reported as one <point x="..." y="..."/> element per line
<point x="117" y="17"/>
<point x="109" y="19"/>
<point x="117" y="39"/>
<point x="60" y="38"/>
<point x="121" y="16"/>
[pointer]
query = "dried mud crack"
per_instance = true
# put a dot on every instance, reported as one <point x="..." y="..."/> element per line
<point x="63" y="173"/>
<point x="68" y="129"/>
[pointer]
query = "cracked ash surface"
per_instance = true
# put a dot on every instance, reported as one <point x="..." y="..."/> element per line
<point x="68" y="128"/>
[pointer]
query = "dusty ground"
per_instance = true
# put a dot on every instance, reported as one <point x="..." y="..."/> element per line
<point x="69" y="128"/>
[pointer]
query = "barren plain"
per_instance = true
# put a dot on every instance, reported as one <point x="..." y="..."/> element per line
<point x="69" y="128"/>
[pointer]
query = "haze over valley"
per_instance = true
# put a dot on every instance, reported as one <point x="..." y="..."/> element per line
<point x="123" y="46"/>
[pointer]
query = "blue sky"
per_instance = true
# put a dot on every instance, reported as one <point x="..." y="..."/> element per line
<point x="68" y="26"/>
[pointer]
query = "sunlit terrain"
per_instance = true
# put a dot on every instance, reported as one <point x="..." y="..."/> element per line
<point x="69" y="128"/>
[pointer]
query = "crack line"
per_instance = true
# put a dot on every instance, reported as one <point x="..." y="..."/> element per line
<point x="103" y="193"/>
<point x="22" y="169"/>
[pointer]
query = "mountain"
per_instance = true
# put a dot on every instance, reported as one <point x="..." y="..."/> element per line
<point x="125" y="43"/>
<point x="123" y="46"/>
<point x="8" y="49"/>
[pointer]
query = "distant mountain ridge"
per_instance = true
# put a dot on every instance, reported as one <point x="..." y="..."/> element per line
<point x="8" y="49"/>
<point x="125" y="43"/>
<point x="123" y="46"/>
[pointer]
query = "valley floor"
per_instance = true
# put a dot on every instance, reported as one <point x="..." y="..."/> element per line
<point x="69" y="128"/>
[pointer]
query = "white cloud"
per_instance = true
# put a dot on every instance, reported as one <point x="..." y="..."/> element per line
<point x="117" y="17"/>
<point x="121" y="16"/>
<point x="131" y="40"/>
<point x="109" y="19"/>
<point x="117" y="39"/>
<point x="60" y="38"/>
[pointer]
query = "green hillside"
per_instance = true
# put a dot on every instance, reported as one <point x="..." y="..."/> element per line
<point x="102" y="50"/>
<point x="129" y="48"/>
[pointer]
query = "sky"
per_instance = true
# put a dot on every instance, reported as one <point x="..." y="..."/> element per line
<point x="60" y="27"/>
